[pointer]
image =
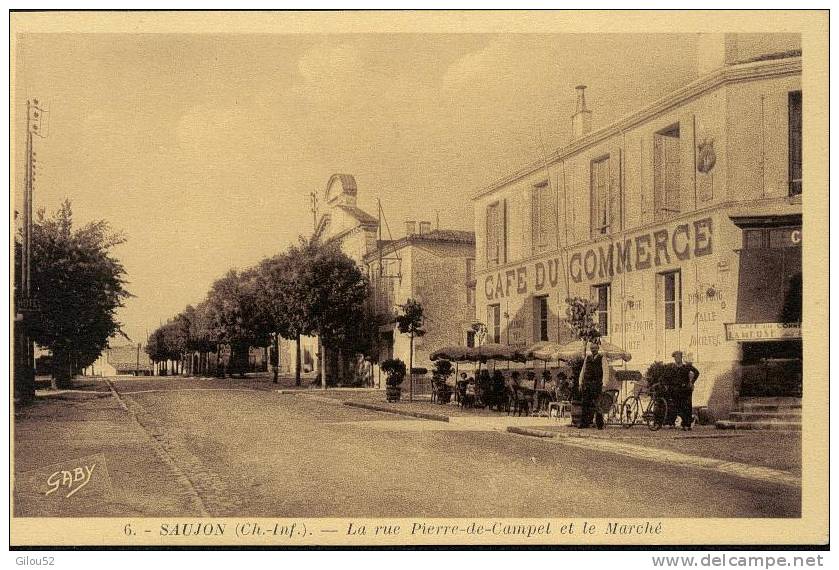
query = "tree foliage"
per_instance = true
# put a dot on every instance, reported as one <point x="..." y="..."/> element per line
<point x="79" y="285"/>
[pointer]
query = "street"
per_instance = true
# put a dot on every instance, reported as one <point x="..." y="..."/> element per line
<point x="191" y="447"/>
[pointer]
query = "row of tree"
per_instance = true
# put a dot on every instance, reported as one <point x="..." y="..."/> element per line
<point x="309" y="289"/>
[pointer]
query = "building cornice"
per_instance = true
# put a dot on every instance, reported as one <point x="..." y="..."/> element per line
<point x="721" y="77"/>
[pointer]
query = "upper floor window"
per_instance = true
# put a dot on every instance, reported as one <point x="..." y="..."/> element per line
<point x="666" y="165"/>
<point x="543" y="216"/>
<point x="496" y="232"/>
<point x="600" y="196"/>
<point x="470" y="282"/>
<point x="795" y="143"/>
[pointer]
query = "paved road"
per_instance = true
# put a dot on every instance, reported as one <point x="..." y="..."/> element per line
<point x="259" y="453"/>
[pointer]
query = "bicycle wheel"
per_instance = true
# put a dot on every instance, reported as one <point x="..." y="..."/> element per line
<point x="630" y="409"/>
<point x="657" y="414"/>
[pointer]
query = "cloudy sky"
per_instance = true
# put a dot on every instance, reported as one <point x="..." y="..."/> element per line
<point x="203" y="148"/>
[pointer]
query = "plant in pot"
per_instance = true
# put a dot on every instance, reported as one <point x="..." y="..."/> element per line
<point x="580" y="316"/>
<point x="442" y="370"/>
<point x="395" y="370"/>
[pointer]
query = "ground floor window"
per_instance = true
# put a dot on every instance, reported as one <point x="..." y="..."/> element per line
<point x="540" y="311"/>
<point x="494" y="323"/>
<point x="470" y="339"/>
<point x="672" y="286"/>
<point x="602" y="295"/>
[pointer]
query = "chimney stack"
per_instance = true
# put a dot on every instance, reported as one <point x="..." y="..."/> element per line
<point x="581" y="119"/>
<point x="424" y="228"/>
<point x="410" y="227"/>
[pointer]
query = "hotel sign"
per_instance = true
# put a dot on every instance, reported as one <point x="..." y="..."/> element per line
<point x="762" y="331"/>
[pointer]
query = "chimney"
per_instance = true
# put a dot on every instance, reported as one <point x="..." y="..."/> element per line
<point x="410" y="227"/>
<point x="424" y="228"/>
<point x="581" y="119"/>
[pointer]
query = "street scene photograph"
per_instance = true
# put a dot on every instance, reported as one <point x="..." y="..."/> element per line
<point x="303" y="275"/>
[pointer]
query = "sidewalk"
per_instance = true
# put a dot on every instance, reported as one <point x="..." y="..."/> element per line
<point x="779" y="451"/>
<point x="86" y="429"/>
<point x="758" y="454"/>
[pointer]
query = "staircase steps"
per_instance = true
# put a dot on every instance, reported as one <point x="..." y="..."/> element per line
<point x="765" y="413"/>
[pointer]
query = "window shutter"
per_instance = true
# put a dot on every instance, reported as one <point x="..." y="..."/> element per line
<point x="615" y="191"/>
<point x="593" y="198"/>
<point x="535" y="218"/>
<point x="490" y="234"/>
<point x="658" y="176"/>
<point x="502" y="239"/>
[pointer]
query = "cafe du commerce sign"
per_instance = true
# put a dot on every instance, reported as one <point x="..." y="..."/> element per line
<point x="603" y="260"/>
<point x="762" y="331"/>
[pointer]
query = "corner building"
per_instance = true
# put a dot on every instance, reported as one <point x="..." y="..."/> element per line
<point x="682" y="220"/>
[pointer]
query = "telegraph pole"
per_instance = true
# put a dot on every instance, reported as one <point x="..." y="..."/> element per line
<point x="24" y="306"/>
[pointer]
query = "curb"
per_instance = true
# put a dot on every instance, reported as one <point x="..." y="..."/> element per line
<point x="531" y="432"/>
<point x="744" y="470"/>
<point x="420" y="415"/>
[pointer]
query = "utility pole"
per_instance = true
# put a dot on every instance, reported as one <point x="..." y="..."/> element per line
<point x="314" y="209"/>
<point x="24" y="309"/>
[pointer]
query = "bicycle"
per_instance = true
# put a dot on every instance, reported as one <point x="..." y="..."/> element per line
<point x="607" y="404"/>
<point x="653" y="415"/>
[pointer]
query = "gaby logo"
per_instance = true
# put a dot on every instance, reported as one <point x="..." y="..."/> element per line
<point x="71" y="481"/>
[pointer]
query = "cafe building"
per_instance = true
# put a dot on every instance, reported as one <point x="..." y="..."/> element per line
<point x="682" y="221"/>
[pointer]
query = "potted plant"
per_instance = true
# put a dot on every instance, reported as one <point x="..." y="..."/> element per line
<point x="395" y="370"/>
<point x="442" y="371"/>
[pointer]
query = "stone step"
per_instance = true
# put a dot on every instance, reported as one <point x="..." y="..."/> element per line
<point x="778" y="425"/>
<point x="752" y="415"/>
<point x="791" y="408"/>
<point x="772" y="400"/>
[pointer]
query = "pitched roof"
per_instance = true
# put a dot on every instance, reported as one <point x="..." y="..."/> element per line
<point x="359" y="214"/>
<point x="434" y="236"/>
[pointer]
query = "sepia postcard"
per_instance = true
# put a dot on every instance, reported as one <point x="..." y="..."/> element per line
<point x="418" y="279"/>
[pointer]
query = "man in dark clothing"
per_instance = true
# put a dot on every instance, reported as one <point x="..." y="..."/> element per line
<point x="687" y="375"/>
<point x="592" y="386"/>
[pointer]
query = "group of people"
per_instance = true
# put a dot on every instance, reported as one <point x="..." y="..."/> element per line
<point x="680" y="396"/>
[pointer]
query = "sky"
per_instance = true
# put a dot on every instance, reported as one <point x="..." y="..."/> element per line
<point x="203" y="148"/>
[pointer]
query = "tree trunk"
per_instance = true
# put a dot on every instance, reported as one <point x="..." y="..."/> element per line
<point x="322" y="365"/>
<point x="411" y="370"/>
<point x="297" y="363"/>
<point x="276" y="358"/>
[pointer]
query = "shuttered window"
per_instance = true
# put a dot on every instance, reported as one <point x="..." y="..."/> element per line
<point x="496" y="233"/>
<point x="666" y="166"/>
<point x="600" y="197"/>
<point x="795" y="143"/>
<point x="543" y="216"/>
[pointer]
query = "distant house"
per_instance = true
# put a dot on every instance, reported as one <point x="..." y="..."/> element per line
<point x="121" y="361"/>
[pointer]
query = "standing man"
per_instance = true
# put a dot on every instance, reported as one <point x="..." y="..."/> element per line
<point x="591" y="387"/>
<point x="687" y="375"/>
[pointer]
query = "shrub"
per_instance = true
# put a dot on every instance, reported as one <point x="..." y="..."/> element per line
<point x="442" y="369"/>
<point x="395" y="370"/>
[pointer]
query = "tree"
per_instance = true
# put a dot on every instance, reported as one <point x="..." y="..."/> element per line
<point x="410" y="321"/>
<point x="284" y="291"/>
<point x="78" y="285"/>
<point x="236" y="316"/>
<point x="337" y="294"/>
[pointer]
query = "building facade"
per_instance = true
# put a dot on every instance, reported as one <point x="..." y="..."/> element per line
<point x="435" y="268"/>
<point x="682" y="221"/>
